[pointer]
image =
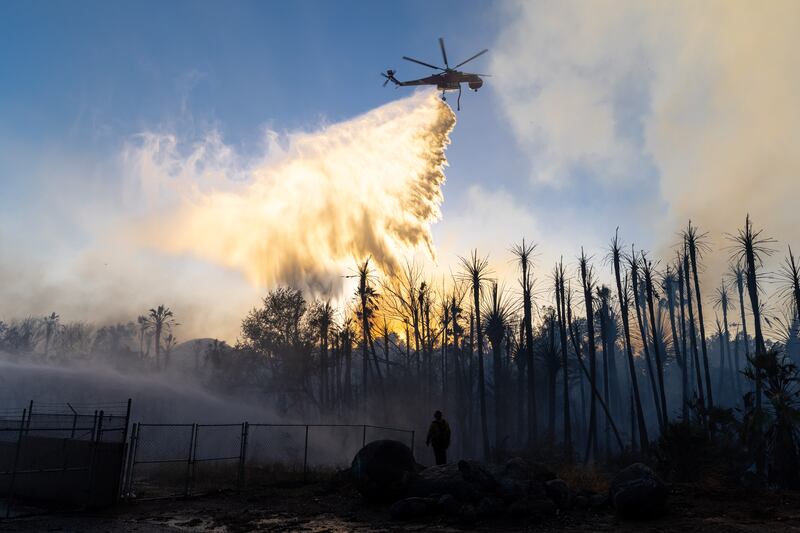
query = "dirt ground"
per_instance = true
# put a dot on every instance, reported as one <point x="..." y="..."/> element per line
<point x="321" y="508"/>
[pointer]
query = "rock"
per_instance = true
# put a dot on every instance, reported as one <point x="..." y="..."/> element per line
<point x="467" y="514"/>
<point x="443" y="479"/>
<point x="536" y="490"/>
<point x="528" y="508"/>
<point x="598" y="501"/>
<point x="490" y="507"/>
<point x="558" y="491"/>
<point x="580" y="501"/>
<point x="512" y="489"/>
<point x="382" y="470"/>
<point x="475" y="472"/>
<point x="519" y="468"/>
<point x="544" y="507"/>
<point x="448" y="505"/>
<point x="638" y="492"/>
<point x="411" y="508"/>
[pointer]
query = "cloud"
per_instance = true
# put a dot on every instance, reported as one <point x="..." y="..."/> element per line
<point x="694" y="104"/>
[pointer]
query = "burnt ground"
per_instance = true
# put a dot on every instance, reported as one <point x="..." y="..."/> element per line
<point x="322" y="508"/>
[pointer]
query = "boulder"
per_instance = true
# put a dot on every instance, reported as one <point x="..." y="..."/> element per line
<point x="598" y="501"/>
<point x="477" y="473"/>
<point x="412" y="508"/>
<point x="467" y="514"/>
<point x="558" y="491"/>
<point x="449" y="505"/>
<point x="382" y="470"/>
<point x="637" y="492"/>
<point x="519" y="468"/>
<point x="444" y="479"/>
<point x="531" y="508"/>
<point x="490" y="507"/>
<point x="512" y="489"/>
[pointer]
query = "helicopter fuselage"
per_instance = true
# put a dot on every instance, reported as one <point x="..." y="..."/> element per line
<point x="447" y="81"/>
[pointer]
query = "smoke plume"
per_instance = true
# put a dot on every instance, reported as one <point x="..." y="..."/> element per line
<point x="665" y="110"/>
<point x="203" y="227"/>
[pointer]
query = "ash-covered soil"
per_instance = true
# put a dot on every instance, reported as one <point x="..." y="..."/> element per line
<point x="322" y="507"/>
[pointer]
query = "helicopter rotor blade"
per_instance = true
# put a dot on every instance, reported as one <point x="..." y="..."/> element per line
<point x="421" y="62"/>
<point x="471" y="58"/>
<point x="444" y="54"/>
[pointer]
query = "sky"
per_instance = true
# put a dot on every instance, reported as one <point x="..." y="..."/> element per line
<point x="597" y="115"/>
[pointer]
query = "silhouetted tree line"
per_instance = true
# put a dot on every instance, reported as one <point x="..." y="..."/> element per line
<point x="563" y="364"/>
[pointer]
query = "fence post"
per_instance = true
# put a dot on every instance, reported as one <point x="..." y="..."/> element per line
<point x="243" y="454"/>
<point x="30" y="412"/>
<point x="94" y="424"/>
<point x="121" y="485"/>
<point x="364" y="436"/>
<point x="74" y="420"/>
<point x="97" y="436"/>
<point x="305" y="458"/>
<point x="127" y="485"/>
<point x="413" y="432"/>
<point x="14" y="465"/>
<point x="190" y="459"/>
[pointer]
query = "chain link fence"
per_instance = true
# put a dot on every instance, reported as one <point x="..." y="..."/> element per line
<point x="63" y="454"/>
<point x="169" y="460"/>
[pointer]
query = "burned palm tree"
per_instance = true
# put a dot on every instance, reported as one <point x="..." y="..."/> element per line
<point x="647" y="271"/>
<point x="722" y="302"/>
<point x="558" y="282"/>
<point x="50" y="327"/>
<point x="587" y="281"/>
<point x="322" y="319"/>
<point x="749" y="249"/>
<point x="143" y="326"/>
<point x="367" y="296"/>
<point x="668" y="284"/>
<point x="476" y="272"/>
<point x="524" y="253"/>
<point x="696" y="245"/>
<point x="638" y="294"/>
<point x="496" y="322"/>
<point x="615" y="255"/>
<point x="161" y="318"/>
<point x="789" y="278"/>
<point x="692" y="331"/>
<point x="737" y="272"/>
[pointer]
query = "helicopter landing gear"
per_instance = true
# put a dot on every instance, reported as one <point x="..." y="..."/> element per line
<point x="444" y="98"/>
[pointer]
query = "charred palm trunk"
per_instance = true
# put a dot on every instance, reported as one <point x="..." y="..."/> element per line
<point x="650" y="373"/>
<point x="670" y="289"/>
<point x="698" y="295"/>
<point x="592" y="442"/>
<point x="623" y="305"/>
<point x="562" y="330"/>
<point x="745" y="341"/>
<point x="693" y="335"/>
<point x="648" y="281"/>
<point x="476" y="290"/>
<point x="686" y="358"/>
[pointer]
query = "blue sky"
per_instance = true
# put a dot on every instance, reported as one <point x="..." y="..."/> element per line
<point x="597" y="115"/>
<point x="81" y="78"/>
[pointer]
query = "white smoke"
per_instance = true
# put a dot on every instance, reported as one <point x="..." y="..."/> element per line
<point x="370" y="186"/>
<point x="204" y="229"/>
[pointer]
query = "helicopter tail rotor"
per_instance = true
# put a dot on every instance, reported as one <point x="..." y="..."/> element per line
<point x="389" y="75"/>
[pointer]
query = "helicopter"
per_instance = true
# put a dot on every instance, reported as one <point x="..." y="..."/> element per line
<point x="449" y="79"/>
